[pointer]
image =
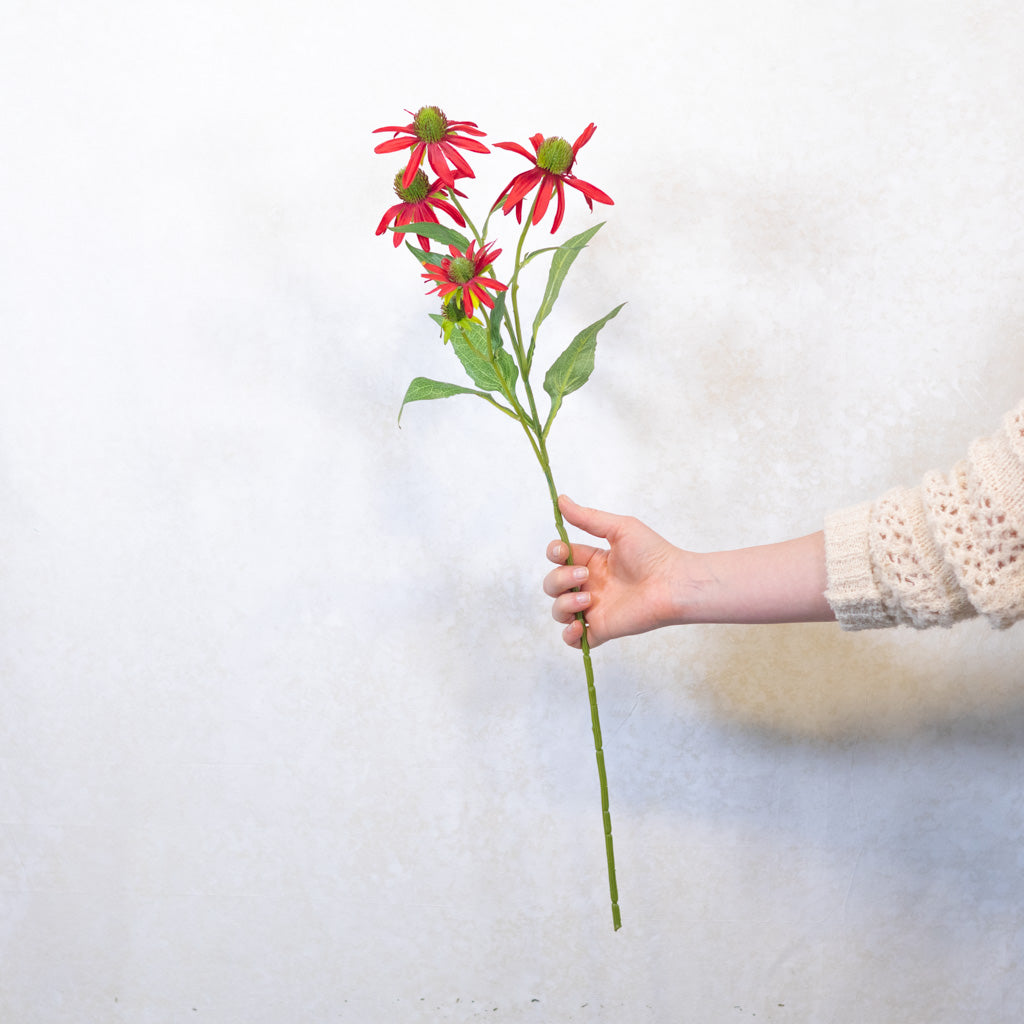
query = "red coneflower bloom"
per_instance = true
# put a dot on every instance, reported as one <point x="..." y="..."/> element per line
<point x="462" y="275"/>
<point x="417" y="205"/>
<point x="433" y="135"/>
<point x="551" y="172"/>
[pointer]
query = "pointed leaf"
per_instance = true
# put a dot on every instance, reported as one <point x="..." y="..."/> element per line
<point x="497" y="316"/>
<point x="509" y="368"/>
<point x="562" y="260"/>
<point x="470" y="343"/>
<point x="572" y="369"/>
<point x="423" y="389"/>
<point x="437" y="232"/>
<point x="434" y="258"/>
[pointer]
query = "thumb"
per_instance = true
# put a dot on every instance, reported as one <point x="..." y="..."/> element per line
<point x="591" y="520"/>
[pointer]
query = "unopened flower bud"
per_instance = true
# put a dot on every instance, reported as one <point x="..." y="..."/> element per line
<point x="452" y="310"/>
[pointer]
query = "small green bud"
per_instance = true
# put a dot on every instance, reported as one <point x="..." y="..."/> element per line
<point x="554" y="155"/>
<point x="452" y="310"/>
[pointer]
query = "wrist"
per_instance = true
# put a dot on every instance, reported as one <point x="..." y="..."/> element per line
<point x="693" y="590"/>
<point x="782" y="582"/>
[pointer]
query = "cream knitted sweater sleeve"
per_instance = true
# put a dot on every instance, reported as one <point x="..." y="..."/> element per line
<point x="932" y="555"/>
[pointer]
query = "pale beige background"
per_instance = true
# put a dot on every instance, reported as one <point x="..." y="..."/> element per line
<point x="287" y="732"/>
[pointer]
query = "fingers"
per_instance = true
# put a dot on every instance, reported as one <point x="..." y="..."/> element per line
<point x="558" y="553"/>
<point x="564" y="583"/>
<point x="567" y="606"/>
<point x="590" y="520"/>
<point x="573" y="633"/>
<point x="565" y="578"/>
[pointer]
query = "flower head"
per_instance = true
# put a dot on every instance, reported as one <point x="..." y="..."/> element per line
<point x="462" y="275"/>
<point x="431" y="134"/>
<point x="552" y="161"/>
<point x="417" y="206"/>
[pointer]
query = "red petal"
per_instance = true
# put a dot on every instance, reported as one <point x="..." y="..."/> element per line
<point x="456" y="158"/>
<point x="435" y="156"/>
<point x="583" y="139"/>
<point x="440" y="204"/>
<point x="388" y="217"/>
<point x="514" y="147"/>
<point x="590" y="191"/>
<point x="544" y="193"/>
<point x="423" y="214"/>
<point x="470" y="144"/>
<point x="395" y="128"/>
<point x="415" y="159"/>
<point x="482" y="297"/>
<point x="560" y="210"/>
<point x="394" y="145"/>
<point x="520" y="186"/>
<point x="487" y="257"/>
<point x="466" y="126"/>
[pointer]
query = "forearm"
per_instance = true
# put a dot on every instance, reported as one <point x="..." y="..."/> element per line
<point x="772" y="583"/>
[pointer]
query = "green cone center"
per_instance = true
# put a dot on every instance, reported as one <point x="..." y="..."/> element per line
<point x="554" y="155"/>
<point x="416" y="192"/>
<point x="430" y="124"/>
<point x="462" y="270"/>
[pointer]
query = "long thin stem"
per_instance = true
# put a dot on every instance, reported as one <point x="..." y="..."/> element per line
<point x="465" y="216"/>
<point x="595" y="720"/>
<point x="536" y="434"/>
<point x="517" y="337"/>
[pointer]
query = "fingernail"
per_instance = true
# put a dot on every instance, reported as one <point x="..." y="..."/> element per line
<point x="583" y="597"/>
<point x="580" y="572"/>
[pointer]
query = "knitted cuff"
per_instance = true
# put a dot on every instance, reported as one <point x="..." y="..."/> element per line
<point x="852" y="591"/>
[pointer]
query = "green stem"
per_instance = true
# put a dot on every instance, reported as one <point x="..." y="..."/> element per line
<point x="465" y="216"/>
<point x="536" y="434"/>
<point x="517" y="335"/>
<point x="595" y="721"/>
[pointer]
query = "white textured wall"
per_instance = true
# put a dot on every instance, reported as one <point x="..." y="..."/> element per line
<point x="287" y="733"/>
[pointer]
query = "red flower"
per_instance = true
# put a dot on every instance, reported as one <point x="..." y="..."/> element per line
<point x="433" y="135"/>
<point x="417" y="205"/>
<point x="550" y="174"/>
<point x="462" y="274"/>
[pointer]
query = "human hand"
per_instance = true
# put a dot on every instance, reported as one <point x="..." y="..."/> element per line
<point x="623" y="590"/>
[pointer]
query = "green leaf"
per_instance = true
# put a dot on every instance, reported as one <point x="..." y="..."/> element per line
<point x="423" y="388"/>
<point x="563" y="259"/>
<point x="437" y="232"/>
<point x="505" y="361"/>
<point x="434" y="258"/>
<point x="497" y="316"/>
<point x="572" y="369"/>
<point x="470" y="343"/>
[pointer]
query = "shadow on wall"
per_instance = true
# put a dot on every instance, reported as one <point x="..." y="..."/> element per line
<point x="815" y="682"/>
